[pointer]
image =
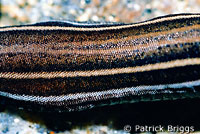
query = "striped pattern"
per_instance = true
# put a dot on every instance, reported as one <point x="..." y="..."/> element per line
<point x="103" y="72"/>
<point x="100" y="62"/>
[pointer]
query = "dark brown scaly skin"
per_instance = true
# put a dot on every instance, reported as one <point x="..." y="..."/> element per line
<point x="49" y="47"/>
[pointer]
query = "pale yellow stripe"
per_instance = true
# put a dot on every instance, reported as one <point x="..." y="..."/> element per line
<point x="102" y="72"/>
<point x="100" y="28"/>
<point x="47" y="48"/>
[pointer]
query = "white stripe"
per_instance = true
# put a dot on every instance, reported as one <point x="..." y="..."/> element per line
<point x="100" y="28"/>
<point x="113" y="93"/>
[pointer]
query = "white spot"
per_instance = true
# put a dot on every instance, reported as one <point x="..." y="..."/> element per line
<point x="16" y="120"/>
